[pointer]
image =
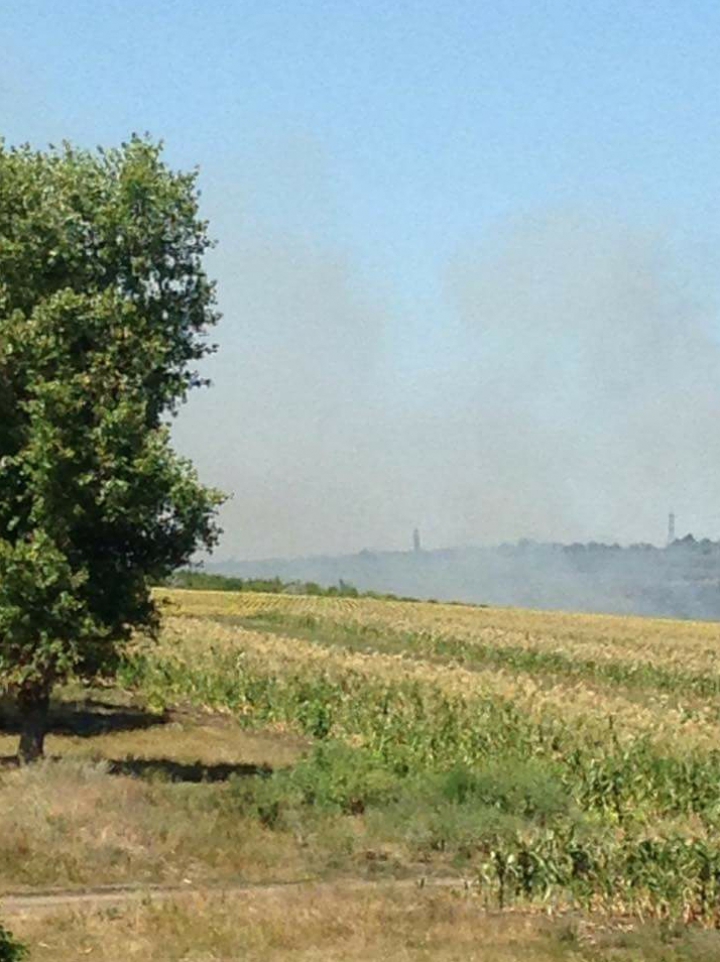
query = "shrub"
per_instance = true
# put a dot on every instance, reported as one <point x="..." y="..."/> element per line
<point x="10" y="949"/>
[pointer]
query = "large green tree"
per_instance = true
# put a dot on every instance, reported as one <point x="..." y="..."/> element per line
<point x="104" y="313"/>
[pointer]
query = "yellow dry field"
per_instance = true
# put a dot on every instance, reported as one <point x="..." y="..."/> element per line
<point x="690" y="645"/>
<point x="200" y="624"/>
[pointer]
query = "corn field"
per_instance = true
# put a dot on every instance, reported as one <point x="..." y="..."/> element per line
<point x="622" y="713"/>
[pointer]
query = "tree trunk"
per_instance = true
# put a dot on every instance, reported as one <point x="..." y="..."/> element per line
<point x="33" y="704"/>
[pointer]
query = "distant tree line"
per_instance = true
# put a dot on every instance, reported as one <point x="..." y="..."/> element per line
<point x="205" y="581"/>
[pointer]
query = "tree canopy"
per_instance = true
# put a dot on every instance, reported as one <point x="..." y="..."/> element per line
<point x="105" y="308"/>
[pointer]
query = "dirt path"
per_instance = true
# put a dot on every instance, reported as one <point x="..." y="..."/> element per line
<point x="48" y="901"/>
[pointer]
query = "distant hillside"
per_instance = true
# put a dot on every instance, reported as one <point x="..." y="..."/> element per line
<point x="682" y="580"/>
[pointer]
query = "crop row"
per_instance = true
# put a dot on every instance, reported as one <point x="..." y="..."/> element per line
<point x="686" y="650"/>
<point x="656" y="877"/>
<point x="473" y="653"/>
<point x="680" y="726"/>
<point x="411" y="724"/>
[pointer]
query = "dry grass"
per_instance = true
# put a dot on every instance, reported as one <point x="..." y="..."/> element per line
<point x="306" y="924"/>
<point x="205" y="739"/>
<point x="73" y="824"/>
<point x="85" y="818"/>
<point x="166" y="804"/>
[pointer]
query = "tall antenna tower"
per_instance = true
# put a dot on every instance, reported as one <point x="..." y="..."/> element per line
<point x="671" y="527"/>
<point x="416" y="540"/>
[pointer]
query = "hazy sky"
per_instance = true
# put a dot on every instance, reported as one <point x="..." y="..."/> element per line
<point x="468" y="252"/>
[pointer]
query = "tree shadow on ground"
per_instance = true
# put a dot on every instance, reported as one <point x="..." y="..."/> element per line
<point x="196" y="772"/>
<point x="87" y="718"/>
<point x="165" y="769"/>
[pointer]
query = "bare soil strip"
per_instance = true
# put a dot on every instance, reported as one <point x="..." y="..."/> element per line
<point x="49" y="900"/>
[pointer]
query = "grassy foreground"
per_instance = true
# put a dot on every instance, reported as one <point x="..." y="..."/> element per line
<point x="339" y="925"/>
<point x="564" y="769"/>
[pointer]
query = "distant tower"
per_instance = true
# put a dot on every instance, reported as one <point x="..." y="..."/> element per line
<point x="671" y="527"/>
<point x="416" y="540"/>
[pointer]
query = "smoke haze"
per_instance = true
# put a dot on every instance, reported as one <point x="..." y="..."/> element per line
<point x="562" y="384"/>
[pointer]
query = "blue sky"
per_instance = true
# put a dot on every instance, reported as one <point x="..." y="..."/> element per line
<point x="362" y="165"/>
